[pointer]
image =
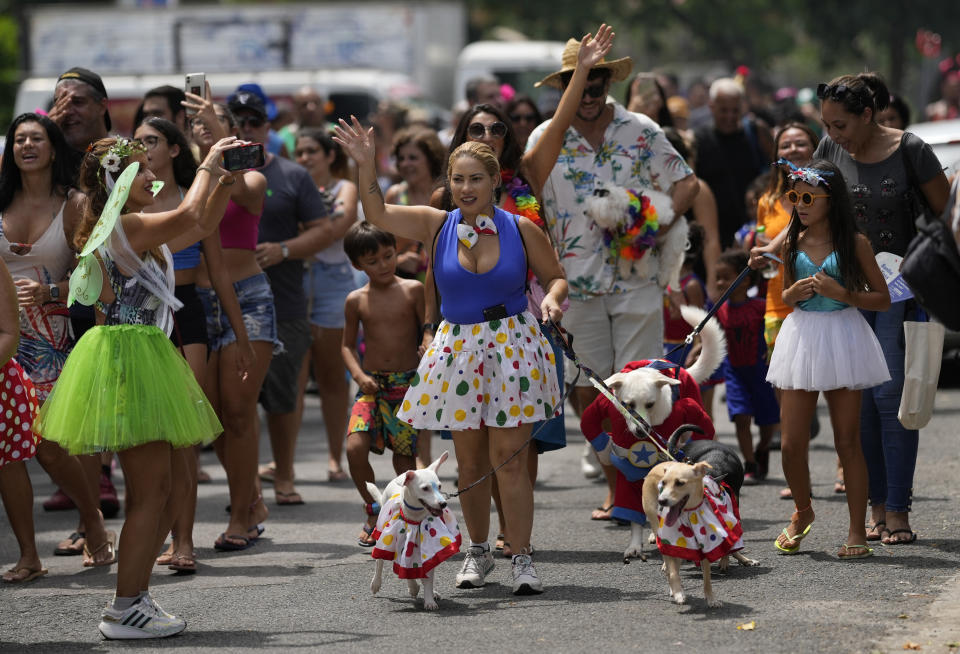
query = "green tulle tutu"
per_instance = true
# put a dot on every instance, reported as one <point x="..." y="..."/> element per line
<point x="124" y="386"/>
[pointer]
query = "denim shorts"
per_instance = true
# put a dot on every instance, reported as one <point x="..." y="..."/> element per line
<point x="256" y="305"/>
<point x="327" y="286"/>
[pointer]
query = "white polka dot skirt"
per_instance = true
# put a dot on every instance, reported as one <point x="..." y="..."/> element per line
<point x="500" y="373"/>
<point x="18" y="408"/>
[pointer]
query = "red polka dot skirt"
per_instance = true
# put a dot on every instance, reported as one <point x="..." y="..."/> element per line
<point x="18" y="408"/>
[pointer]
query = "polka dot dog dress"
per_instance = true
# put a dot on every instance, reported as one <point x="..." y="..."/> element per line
<point x="18" y="407"/>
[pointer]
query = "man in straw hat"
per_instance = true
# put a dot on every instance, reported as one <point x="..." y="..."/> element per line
<point x="615" y="319"/>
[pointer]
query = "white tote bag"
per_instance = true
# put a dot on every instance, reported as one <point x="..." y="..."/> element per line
<point x="922" y="370"/>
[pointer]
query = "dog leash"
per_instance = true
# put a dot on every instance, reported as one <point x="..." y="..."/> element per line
<point x="688" y="341"/>
<point x="533" y="434"/>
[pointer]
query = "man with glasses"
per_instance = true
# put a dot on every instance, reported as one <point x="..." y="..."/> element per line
<point x="615" y="319"/>
<point x="292" y="228"/>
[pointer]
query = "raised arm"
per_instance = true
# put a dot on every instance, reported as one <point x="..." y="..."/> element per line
<point x="418" y="222"/>
<point x="540" y="159"/>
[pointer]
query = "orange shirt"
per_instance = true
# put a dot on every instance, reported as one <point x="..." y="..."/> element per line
<point x="775" y="220"/>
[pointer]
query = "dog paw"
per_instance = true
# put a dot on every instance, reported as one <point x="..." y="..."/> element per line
<point x="633" y="553"/>
<point x="430" y="605"/>
<point x="678" y="598"/>
<point x="375" y="587"/>
<point x="714" y="603"/>
<point x="749" y="562"/>
<point x="413" y="588"/>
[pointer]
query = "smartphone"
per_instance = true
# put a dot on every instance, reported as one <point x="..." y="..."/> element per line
<point x="196" y="83"/>
<point x="244" y="158"/>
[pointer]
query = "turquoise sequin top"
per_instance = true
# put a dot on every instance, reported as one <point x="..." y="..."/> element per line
<point x="807" y="268"/>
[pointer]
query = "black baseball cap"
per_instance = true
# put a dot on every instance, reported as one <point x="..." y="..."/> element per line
<point x="91" y="78"/>
<point x="247" y="101"/>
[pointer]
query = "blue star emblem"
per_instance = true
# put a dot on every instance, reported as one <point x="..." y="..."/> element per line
<point x="643" y="455"/>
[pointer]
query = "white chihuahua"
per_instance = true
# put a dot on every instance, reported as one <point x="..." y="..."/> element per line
<point x="415" y="530"/>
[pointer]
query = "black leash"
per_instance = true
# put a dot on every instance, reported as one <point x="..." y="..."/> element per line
<point x="688" y="341"/>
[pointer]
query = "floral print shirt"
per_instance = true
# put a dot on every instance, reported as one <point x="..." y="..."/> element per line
<point x="635" y="154"/>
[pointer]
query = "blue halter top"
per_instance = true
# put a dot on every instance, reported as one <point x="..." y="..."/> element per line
<point x="464" y="294"/>
<point x="805" y="267"/>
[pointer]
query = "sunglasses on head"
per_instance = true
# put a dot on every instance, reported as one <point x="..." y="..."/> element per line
<point x="477" y="130"/>
<point x="806" y="198"/>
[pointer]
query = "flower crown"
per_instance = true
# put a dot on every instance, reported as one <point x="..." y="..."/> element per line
<point x="812" y="176"/>
<point x="110" y="161"/>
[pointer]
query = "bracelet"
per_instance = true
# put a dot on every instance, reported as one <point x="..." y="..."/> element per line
<point x="222" y="183"/>
<point x="430" y="327"/>
<point x="206" y="168"/>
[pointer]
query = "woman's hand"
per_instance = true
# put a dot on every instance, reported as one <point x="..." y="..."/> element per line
<point x="594" y="49"/>
<point x="214" y="158"/>
<point x="204" y="110"/>
<point x="31" y="293"/>
<point x="550" y="309"/>
<point x="799" y="291"/>
<point x="356" y="141"/>
<point x="246" y="358"/>
<point x="825" y="285"/>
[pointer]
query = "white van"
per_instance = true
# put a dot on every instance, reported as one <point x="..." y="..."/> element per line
<point x="356" y="91"/>
<point x="518" y="63"/>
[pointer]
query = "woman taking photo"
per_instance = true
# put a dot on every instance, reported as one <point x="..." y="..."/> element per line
<point x="884" y="167"/>
<point x="40" y="211"/>
<point x="235" y="397"/>
<point x="170" y="159"/>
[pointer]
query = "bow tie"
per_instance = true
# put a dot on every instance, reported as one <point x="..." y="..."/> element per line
<point x="469" y="235"/>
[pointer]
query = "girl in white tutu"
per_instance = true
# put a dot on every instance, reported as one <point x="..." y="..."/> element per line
<point x="825" y="344"/>
<point x="489" y="373"/>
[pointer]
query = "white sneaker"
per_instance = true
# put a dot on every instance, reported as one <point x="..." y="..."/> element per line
<point x="142" y="620"/>
<point x="476" y="566"/>
<point x="525" y="579"/>
<point x="588" y="463"/>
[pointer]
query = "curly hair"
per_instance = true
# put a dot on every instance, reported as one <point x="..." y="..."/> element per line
<point x="427" y="142"/>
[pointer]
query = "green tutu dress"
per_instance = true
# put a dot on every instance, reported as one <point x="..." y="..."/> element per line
<point x="125" y="384"/>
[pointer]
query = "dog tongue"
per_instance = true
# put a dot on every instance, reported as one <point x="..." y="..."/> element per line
<point x="674" y="513"/>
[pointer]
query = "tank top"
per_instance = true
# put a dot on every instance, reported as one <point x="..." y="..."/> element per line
<point x="464" y="294"/>
<point x="806" y="268"/>
<point x="238" y="228"/>
<point x="49" y="258"/>
<point x="333" y="254"/>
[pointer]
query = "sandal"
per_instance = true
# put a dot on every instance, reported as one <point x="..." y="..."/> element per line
<point x="184" y="564"/>
<point x="75" y="548"/>
<point x="791" y="539"/>
<point x="110" y="544"/>
<point x="840" y="487"/>
<point x="225" y="543"/>
<point x="900" y="541"/>
<point x="22" y="575"/>
<point x="267" y="473"/>
<point x="166" y="558"/>
<point x="601" y="513"/>
<point x="292" y="498"/>
<point x="876" y="531"/>
<point x="859" y="552"/>
<point x="366" y="538"/>
<point x="337" y="475"/>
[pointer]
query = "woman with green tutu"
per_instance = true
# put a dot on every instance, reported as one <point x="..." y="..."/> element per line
<point x="124" y="388"/>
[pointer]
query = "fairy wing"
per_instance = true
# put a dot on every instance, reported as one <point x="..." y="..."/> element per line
<point x="86" y="281"/>
<point x="112" y="209"/>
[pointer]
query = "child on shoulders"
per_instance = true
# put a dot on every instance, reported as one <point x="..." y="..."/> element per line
<point x="391" y="311"/>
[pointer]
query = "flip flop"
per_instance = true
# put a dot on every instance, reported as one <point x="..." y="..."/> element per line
<point x="110" y="544"/>
<point x="337" y="475"/>
<point x="794" y="539"/>
<point x="72" y="551"/>
<point x="184" y="564"/>
<point x="257" y="528"/>
<point x="165" y="559"/>
<point x="30" y="576"/>
<point x="223" y="543"/>
<point x="601" y="509"/>
<point x="366" y="539"/>
<point x="912" y="539"/>
<point x="267" y="473"/>
<point x="879" y="528"/>
<point x="288" y="499"/>
<point x="863" y="552"/>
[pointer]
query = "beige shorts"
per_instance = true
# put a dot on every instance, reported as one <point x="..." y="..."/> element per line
<point x="612" y="330"/>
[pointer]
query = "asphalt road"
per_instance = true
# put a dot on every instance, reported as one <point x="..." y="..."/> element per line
<point x="305" y="585"/>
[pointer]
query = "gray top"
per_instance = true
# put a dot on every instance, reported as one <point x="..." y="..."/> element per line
<point x="879" y="191"/>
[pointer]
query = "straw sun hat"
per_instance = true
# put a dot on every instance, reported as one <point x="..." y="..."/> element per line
<point x="619" y="68"/>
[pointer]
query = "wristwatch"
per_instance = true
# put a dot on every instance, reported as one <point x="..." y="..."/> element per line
<point x="285" y="251"/>
<point x="430" y="327"/>
<point x="54" y="292"/>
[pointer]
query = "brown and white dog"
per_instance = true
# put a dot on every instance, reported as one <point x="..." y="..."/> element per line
<point x="694" y="519"/>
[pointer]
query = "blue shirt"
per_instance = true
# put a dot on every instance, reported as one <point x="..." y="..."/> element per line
<point x="804" y="267"/>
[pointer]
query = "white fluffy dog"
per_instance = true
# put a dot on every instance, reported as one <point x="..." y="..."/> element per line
<point x="609" y="207"/>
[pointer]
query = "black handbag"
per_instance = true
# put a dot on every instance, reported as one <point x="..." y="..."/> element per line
<point x="931" y="266"/>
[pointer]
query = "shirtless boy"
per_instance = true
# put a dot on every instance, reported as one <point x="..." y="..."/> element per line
<point x="391" y="311"/>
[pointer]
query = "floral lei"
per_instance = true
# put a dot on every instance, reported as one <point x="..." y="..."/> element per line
<point x="519" y="190"/>
<point x="113" y="158"/>
<point x="632" y="240"/>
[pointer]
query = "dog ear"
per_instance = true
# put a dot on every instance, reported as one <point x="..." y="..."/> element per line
<point x="663" y="380"/>
<point x="700" y="468"/>
<point x="615" y="381"/>
<point x="409" y="476"/>
<point x="436" y="464"/>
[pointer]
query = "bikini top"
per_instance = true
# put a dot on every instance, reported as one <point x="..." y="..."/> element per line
<point x="805" y="267"/>
<point x="238" y="229"/>
<point x="464" y="294"/>
<point x="187" y="258"/>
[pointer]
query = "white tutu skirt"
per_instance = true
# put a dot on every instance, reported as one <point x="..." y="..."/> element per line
<point x="500" y="373"/>
<point x="827" y="350"/>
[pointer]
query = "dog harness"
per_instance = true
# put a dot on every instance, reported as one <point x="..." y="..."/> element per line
<point x="415" y="548"/>
<point x="710" y="530"/>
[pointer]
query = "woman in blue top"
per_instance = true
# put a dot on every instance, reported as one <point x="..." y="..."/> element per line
<point x="489" y="373"/>
<point x="825" y="344"/>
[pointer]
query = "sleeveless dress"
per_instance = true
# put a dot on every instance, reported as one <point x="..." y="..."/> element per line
<point x="825" y="344"/>
<point x="44" y="330"/>
<point x="415" y="548"/>
<point x="500" y="372"/>
<point x="125" y="384"/>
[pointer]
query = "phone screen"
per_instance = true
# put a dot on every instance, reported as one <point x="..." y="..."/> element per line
<point x="244" y="158"/>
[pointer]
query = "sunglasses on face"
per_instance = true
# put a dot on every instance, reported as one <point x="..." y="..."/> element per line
<point x="595" y="90"/>
<point x="523" y="118"/>
<point x="250" y="121"/>
<point x="477" y="130"/>
<point x="806" y="198"/>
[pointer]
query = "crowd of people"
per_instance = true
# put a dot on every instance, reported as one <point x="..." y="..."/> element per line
<point x="152" y="298"/>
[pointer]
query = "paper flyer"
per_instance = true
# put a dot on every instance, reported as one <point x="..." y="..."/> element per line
<point x="890" y="267"/>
